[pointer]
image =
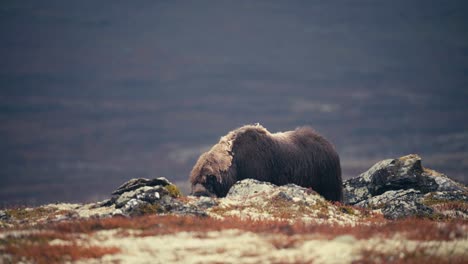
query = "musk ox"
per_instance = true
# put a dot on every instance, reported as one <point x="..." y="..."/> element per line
<point x="302" y="157"/>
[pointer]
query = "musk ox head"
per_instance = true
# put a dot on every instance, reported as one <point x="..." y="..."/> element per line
<point x="212" y="174"/>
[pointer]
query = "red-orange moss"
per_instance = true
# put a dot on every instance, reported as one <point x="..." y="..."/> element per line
<point x="412" y="228"/>
<point x="45" y="253"/>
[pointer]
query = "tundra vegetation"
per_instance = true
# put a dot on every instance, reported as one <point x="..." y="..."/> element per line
<point x="396" y="212"/>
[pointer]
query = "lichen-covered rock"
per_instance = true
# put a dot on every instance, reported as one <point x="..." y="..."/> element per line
<point x="137" y="183"/>
<point x="448" y="204"/>
<point x="254" y="199"/>
<point x="394" y="188"/>
<point x="444" y="183"/>
<point x="204" y="202"/>
<point x="398" y="204"/>
<point x="3" y="215"/>
<point x="135" y="207"/>
<point x="156" y="196"/>
<point x="444" y="196"/>
<point x="125" y="197"/>
<point x="403" y="173"/>
<point x="254" y="190"/>
<point x="397" y="187"/>
<point x="249" y="187"/>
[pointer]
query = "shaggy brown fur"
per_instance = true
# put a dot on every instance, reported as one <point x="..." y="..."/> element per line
<point x="301" y="157"/>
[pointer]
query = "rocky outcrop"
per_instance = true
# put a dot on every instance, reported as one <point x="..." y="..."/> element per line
<point x="403" y="187"/>
<point x="396" y="188"/>
<point x="137" y="183"/>
<point x="252" y="199"/>
<point x="144" y="196"/>
<point x="249" y="198"/>
<point x="134" y="198"/>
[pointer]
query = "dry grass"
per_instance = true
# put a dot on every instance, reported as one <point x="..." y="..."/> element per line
<point x="412" y="257"/>
<point x="28" y="214"/>
<point x="413" y="228"/>
<point x="56" y="253"/>
<point x="356" y="210"/>
<point x="461" y="206"/>
<point x="37" y="247"/>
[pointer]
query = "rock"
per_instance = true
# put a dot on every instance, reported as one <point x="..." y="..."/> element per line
<point x="205" y="202"/>
<point x="156" y="196"/>
<point x="435" y="197"/>
<point x="398" y="204"/>
<point x="104" y="203"/>
<point x="3" y="215"/>
<point x="249" y="187"/>
<point x="397" y="174"/>
<point x="397" y="188"/>
<point x="118" y="212"/>
<point x="188" y="209"/>
<point x="125" y="197"/>
<point x="448" y="204"/>
<point x="146" y="194"/>
<point x="134" y="184"/>
<point x="444" y="183"/>
<point x="140" y="196"/>
<point x="258" y="200"/>
<point x="135" y="207"/>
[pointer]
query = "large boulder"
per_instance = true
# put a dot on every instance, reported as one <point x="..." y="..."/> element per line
<point x="398" y="204"/>
<point x="253" y="199"/>
<point x="402" y="187"/>
<point x="150" y="196"/>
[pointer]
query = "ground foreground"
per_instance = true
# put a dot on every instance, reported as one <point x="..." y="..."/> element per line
<point x="396" y="212"/>
<point x="191" y="239"/>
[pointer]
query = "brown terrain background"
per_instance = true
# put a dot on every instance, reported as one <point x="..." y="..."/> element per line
<point x="93" y="93"/>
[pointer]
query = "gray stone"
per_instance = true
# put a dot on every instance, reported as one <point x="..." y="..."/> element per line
<point x="249" y="187"/>
<point x="188" y="209"/>
<point x="297" y="193"/>
<point x="3" y="215"/>
<point x="401" y="187"/>
<point x="398" y="204"/>
<point x="283" y="196"/>
<point x="205" y="202"/>
<point x="445" y="196"/>
<point x="396" y="174"/>
<point x="105" y="203"/>
<point x="117" y="212"/>
<point x="134" y="207"/>
<point x="443" y="182"/>
<point x="153" y="194"/>
<point x="252" y="189"/>
<point x="362" y="187"/>
<point x="258" y="192"/>
<point x="143" y="196"/>
<point x="127" y="196"/>
<point x="137" y="183"/>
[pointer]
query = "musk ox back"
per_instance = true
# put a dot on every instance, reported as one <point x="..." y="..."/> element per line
<point x="301" y="157"/>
